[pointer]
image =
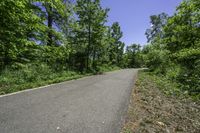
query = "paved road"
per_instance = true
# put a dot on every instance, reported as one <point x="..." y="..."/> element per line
<point x="94" y="104"/>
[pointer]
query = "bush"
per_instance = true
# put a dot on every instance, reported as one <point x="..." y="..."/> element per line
<point x="106" y="68"/>
<point x="157" y="60"/>
<point x="25" y="73"/>
<point x="190" y="80"/>
<point x="173" y="71"/>
<point x="15" y="78"/>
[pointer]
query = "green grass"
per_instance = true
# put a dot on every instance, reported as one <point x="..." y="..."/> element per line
<point x="167" y="86"/>
<point x="34" y="75"/>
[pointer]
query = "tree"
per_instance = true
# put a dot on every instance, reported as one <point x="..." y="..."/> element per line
<point x="133" y="56"/>
<point x="157" y="23"/>
<point x="59" y="33"/>
<point x="116" y="48"/>
<point x="54" y="15"/>
<point x="182" y="40"/>
<point x="18" y="22"/>
<point x="179" y="57"/>
<point x="91" y="19"/>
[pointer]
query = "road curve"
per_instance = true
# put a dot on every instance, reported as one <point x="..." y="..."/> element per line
<point x="95" y="104"/>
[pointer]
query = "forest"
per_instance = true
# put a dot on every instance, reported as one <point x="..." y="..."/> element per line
<point x="48" y="41"/>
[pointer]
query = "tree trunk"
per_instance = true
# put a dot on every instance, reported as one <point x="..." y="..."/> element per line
<point x="50" y="24"/>
<point x="94" y="56"/>
<point x="89" y="40"/>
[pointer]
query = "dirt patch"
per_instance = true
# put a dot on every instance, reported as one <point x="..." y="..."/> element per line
<point x="152" y="111"/>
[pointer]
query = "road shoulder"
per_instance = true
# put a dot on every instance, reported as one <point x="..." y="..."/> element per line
<point x="151" y="110"/>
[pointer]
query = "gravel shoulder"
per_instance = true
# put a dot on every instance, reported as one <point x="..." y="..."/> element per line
<point x="152" y="111"/>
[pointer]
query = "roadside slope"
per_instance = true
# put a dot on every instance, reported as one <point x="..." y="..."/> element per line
<point x="153" y="111"/>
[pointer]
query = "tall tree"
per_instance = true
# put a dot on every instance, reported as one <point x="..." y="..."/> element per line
<point x="52" y="13"/>
<point x="91" y="19"/>
<point x="157" y="23"/>
<point x="116" y="46"/>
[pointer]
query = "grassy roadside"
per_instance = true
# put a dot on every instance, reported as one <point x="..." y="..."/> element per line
<point x="32" y="77"/>
<point x="157" y="107"/>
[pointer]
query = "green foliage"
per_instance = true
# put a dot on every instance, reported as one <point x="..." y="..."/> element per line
<point x="173" y="71"/>
<point x="133" y="57"/>
<point x="176" y="53"/>
<point x="157" y="60"/>
<point x="56" y="57"/>
<point x="107" y="68"/>
<point x="164" y="84"/>
<point x="116" y="47"/>
<point x="45" y="41"/>
<point x="91" y="29"/>
<point x="32" y="75"/>
<point x="62" y="36"/>
<point x="17" y="20"/>
<point x="157" y="23"/>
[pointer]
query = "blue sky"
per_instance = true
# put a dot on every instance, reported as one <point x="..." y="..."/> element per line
<point x="133" y="16"/>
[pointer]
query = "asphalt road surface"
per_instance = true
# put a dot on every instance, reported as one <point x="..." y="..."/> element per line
<point x="95" y="104"/>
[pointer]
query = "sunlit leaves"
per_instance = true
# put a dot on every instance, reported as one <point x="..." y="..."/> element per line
<point x="181" y="45"/>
